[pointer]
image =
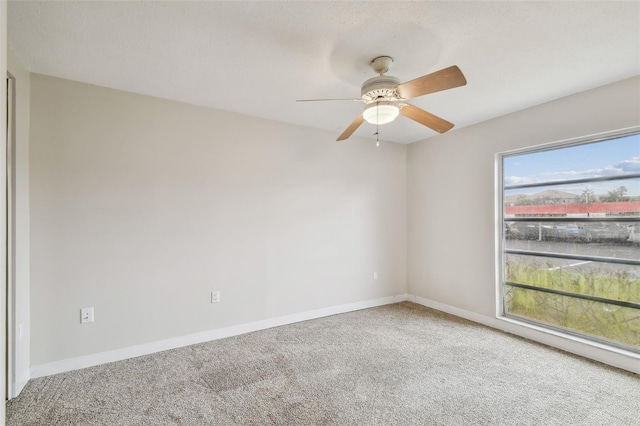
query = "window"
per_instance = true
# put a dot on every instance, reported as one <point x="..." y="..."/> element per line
<point x="571" y="239"/>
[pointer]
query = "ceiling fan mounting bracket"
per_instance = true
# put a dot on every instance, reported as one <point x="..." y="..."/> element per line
<point x="381" y="64"/>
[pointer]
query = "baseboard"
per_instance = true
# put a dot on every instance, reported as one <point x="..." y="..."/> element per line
<point x="472" y="316"/>
<point x="21" y="382"/>
<point x="77" y="363"/>
<point x="612" y="356"/>
<point x="617" y="358"/>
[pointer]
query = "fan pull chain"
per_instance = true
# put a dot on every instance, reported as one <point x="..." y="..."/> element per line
<point x="377" y="123"/>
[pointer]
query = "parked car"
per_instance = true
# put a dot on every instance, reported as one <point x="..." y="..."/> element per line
<point x="573" y="231"/>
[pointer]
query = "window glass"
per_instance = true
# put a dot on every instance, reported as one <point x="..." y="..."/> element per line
<point x="571" y="239"/>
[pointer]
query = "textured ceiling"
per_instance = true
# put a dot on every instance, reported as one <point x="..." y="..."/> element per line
<point x="257" y="58"/>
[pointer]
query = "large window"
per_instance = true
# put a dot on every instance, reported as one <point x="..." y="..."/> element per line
<point x="571" y="239"/>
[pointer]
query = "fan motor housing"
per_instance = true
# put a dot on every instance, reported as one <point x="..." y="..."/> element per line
<point x="380" y="87"/>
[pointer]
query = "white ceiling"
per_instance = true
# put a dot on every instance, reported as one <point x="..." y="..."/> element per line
<point x="257" y="58"/>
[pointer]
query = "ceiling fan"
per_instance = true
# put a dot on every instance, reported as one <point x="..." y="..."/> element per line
<point x="384" y="97"/>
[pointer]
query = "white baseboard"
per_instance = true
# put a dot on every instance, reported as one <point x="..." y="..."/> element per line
<point x="459" y="312"/>
<point x="70" y="364"/>
<point x="21" y="382"/>
<point x="618" y="358"/>
<point x="613" y="356"/>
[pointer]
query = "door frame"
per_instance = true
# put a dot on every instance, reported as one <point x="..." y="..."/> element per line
<point x="10" y="242"/>
<point x="3" y="135"/>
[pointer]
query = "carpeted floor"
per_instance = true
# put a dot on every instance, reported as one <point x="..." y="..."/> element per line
<point x="399" y="364"/>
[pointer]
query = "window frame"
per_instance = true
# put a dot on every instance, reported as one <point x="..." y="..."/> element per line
<point x="500" y="253"/>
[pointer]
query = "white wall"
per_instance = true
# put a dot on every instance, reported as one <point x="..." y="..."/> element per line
<point x="451" y="203"/>
<point x="141" y="206"/>
<point x="20" y="296"/>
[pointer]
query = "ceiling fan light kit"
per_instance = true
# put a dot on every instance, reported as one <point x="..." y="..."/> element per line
<point x="380" y="112"/>
<point x="384" y="97"/>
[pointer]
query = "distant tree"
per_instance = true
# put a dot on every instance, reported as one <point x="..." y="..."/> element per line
<point x="523" y="200"/>
<point x="618" y="194"/>
<point x="587" y="196"/>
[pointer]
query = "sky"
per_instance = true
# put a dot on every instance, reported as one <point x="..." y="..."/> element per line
<point x="613" y="157"/>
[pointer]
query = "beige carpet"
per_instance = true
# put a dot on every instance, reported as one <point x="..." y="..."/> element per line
<point x="400" y="364"/>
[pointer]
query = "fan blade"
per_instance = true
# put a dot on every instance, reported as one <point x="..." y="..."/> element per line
<point x="444" y="79"/>
<point x="319" y="100"/>
<point x="352" y="128"/>
<point x="425" y="118"/>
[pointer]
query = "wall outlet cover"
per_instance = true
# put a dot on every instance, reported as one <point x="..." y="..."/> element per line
<point x="86" y="315"/>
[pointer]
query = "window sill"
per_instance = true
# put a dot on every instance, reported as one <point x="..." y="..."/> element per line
<point x="569" y="337"/>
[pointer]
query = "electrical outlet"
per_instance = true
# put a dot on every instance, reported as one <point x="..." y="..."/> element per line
<point x="375" y="275"/>
<point x="215" y="296"/>
<point x="86" y="315"/>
